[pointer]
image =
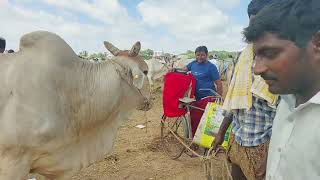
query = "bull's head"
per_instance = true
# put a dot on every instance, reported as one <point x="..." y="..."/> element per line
<point x="167" y="61"/>
<point x="137" y="71"/>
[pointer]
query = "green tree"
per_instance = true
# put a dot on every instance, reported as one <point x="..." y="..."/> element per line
<point x="84" y="54"/>
<point x="94" y="56"/>
<point x="189" y="54"/>
<point x="223" y="55"/>
<point x="146" y="54"/>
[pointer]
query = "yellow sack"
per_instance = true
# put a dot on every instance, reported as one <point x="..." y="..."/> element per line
<point x="209" y="126"/>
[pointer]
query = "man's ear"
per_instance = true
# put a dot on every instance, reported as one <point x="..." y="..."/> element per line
<point x="316" y="42"/>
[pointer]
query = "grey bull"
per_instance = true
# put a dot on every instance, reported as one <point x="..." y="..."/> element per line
<point x="59" y="113"/>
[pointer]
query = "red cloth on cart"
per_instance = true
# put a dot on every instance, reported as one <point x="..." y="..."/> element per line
<point x="195" y="114"/>
<point x="175" y="87"/>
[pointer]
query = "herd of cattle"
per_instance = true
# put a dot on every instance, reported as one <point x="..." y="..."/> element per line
<point x="60" y="113"/>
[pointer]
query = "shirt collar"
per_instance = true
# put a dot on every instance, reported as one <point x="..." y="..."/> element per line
<point x="315" y="99"/>
<point x="290" y="99"/>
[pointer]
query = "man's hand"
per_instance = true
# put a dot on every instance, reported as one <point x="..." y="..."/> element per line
<point x="218" y="140"/>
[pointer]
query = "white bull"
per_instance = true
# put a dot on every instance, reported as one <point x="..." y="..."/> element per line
<point x="59" y="113"/>
<point x="225" y="69"/>
<point x="158" y="67"/>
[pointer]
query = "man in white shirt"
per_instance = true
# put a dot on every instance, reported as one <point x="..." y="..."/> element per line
<point x="286" y="37"/>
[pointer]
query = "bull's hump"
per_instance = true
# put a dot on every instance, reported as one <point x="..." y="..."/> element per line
<point x="44" y="41"/>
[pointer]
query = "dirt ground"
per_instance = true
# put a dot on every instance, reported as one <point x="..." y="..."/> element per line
<point x="138" y="154"/>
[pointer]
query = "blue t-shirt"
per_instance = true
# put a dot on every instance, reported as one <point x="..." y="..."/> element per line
<point x="205" y="74"/>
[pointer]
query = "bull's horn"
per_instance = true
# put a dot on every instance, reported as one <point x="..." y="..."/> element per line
<point x="135" y="49"/>
<point x="115" y="51"/>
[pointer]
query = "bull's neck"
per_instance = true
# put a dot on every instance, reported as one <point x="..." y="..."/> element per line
<point x="95" y="81"/>
<point x="98" y="94"/>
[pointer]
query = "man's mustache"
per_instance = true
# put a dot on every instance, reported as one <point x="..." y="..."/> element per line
<point x="269" y="76"/>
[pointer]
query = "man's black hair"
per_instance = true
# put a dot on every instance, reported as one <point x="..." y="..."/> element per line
<point x="294" y="20"/>
<point x="256" y="5"/>
<point x="201" y="49"/>
<point x="2" y="43"/>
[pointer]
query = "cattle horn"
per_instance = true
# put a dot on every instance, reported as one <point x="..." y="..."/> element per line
<point x="135" y="49"/>
<point x="115" y="51"/>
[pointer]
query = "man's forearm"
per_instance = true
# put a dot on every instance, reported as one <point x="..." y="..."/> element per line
<point x="219" y="87"/>
<point x="224" y="125"/>
<point x="219" y="138"/>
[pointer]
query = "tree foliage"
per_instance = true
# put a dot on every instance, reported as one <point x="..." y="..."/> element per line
<point x="84" y="54"/>
<point x="146" y="54"/>
<point x="222" y="55"/>
<point x="98" y="56"/>
<point x="94" y="56"/>
<point x="189" y="54"/>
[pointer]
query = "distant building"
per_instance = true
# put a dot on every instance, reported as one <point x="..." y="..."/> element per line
<point x="158" y="53"/>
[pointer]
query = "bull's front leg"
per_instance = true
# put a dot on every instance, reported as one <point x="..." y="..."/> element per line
<point x="150" y="79"/>
<point x="14" y="163"/>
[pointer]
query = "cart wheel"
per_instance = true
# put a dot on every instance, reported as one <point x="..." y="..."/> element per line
<point x="180" y="129"/>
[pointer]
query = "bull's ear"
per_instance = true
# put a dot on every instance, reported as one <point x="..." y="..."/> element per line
<point x="135" y="49"/>
<point x="115" y="51"/>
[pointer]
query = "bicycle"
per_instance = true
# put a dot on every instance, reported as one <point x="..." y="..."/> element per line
<point x="176" y="130"/>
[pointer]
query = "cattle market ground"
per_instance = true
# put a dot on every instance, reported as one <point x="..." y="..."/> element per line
<point x="138" y="154"/>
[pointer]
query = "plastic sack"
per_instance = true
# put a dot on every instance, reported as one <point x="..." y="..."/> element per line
<point x="209" y="125"/>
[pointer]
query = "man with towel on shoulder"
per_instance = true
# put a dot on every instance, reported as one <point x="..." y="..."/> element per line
<point x="251" y="108"/>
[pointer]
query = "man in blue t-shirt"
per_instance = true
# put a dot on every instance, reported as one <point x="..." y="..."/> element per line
<point x="206" y="74"/>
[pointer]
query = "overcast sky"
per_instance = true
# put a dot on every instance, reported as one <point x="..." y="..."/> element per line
<point x="170" y="25"/>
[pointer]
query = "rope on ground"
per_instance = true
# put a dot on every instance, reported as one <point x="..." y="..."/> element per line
<point x="212" y="155"/>
<point x="184" y="144"/>
<point x="145" y="110"/>
<point x="207" y="160"/>
<point x="146" y="120"/>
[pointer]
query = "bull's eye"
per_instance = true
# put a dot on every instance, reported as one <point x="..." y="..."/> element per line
<point x="145" y="72"/>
